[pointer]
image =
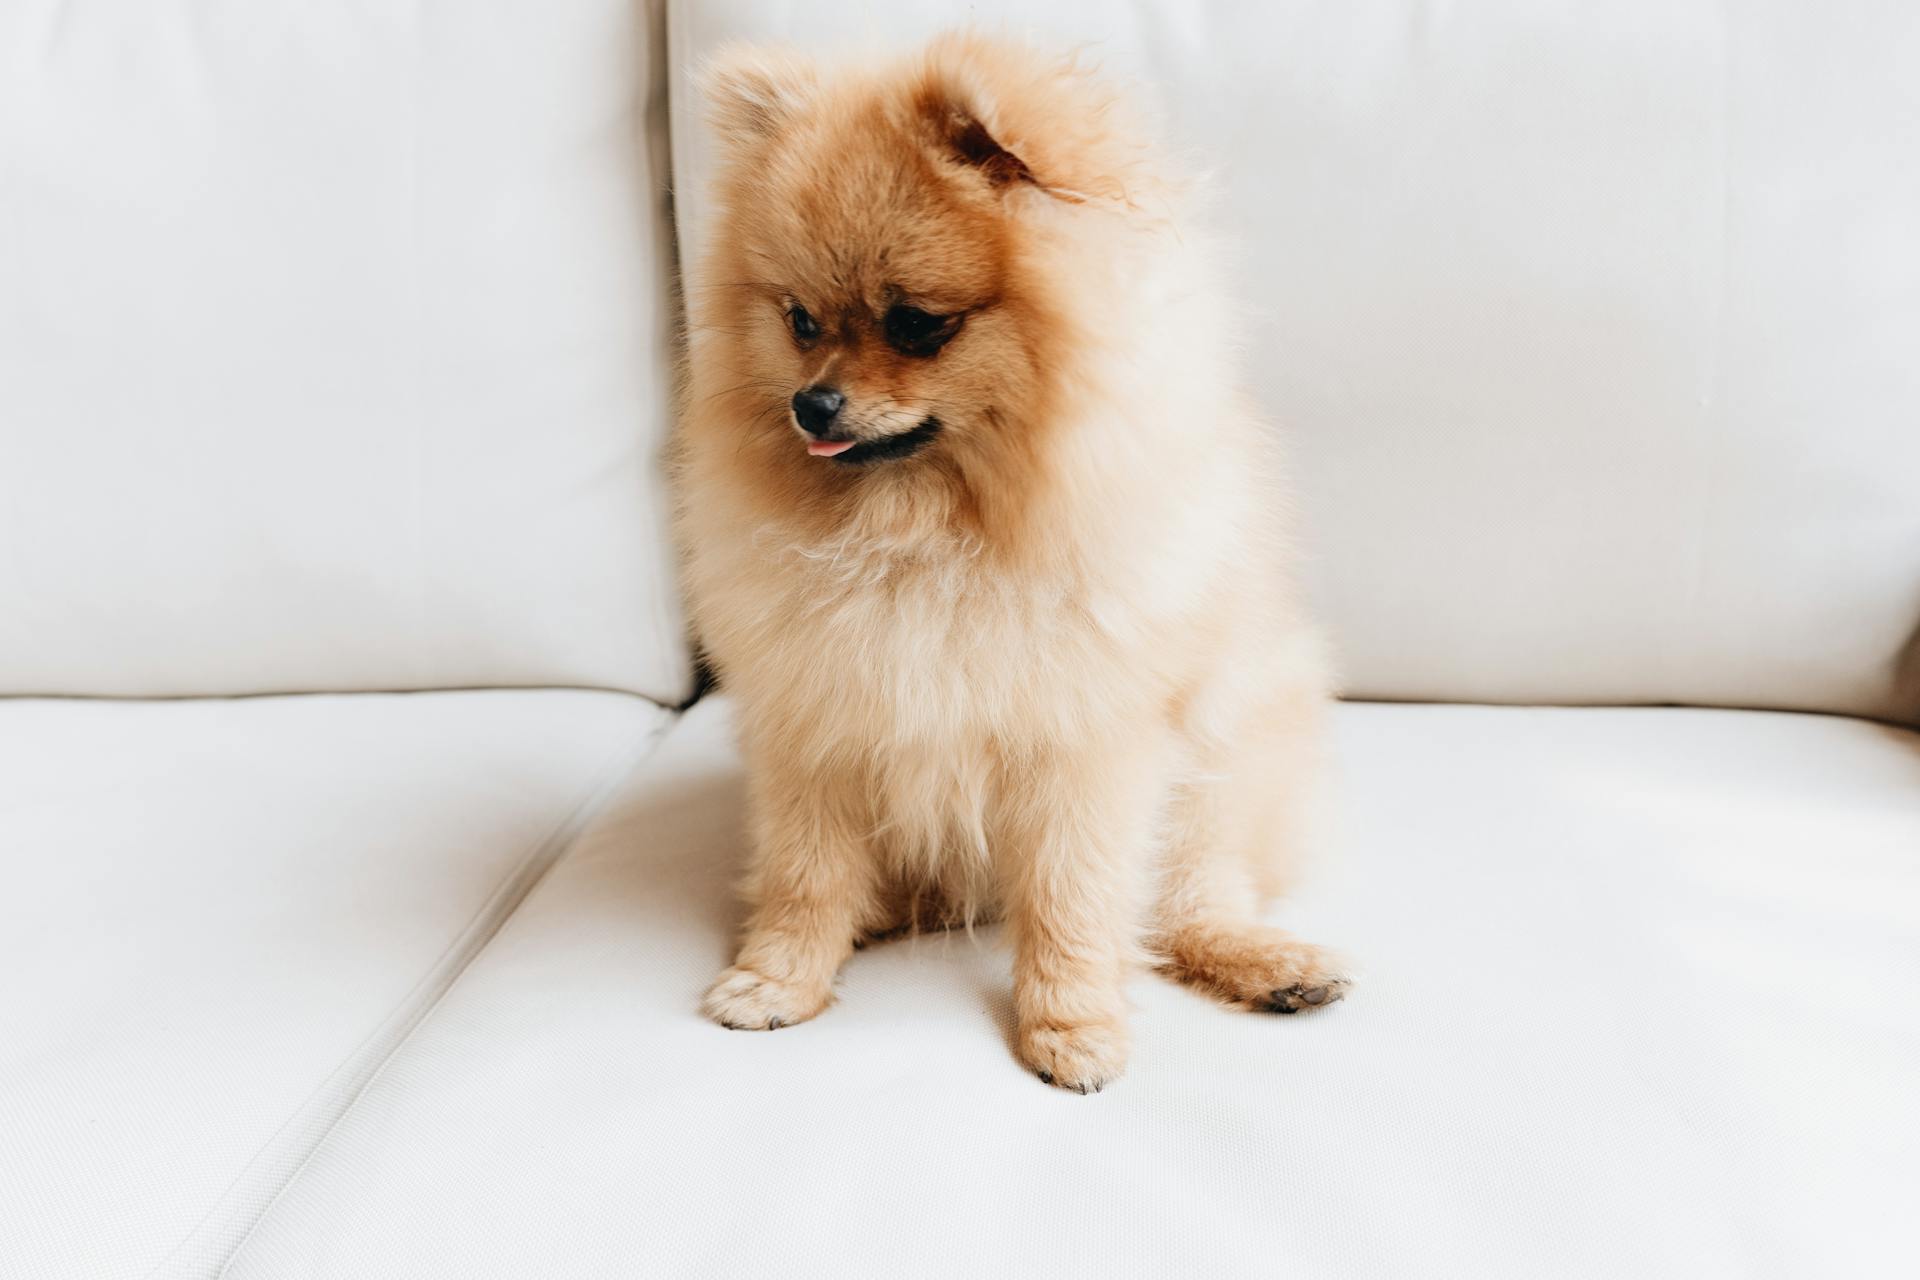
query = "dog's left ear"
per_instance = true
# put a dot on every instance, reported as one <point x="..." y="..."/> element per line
<point x="968" y="139"/>
<point x="966" y="114"/>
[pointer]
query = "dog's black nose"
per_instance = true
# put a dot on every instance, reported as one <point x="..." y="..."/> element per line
<point x="815" y="408"/>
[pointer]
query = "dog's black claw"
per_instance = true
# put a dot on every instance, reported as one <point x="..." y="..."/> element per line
<point x="1046" y="1077"/>
<point x="774" y="1024"/>
<point x="1295" y="999"/>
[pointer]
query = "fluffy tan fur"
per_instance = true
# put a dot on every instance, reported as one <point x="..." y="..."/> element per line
<point x="1051" y="668"/>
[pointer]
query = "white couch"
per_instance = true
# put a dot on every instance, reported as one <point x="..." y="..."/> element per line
<point x="362" y="872"/>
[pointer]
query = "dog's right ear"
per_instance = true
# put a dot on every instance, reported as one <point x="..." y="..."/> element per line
<point x="752" y="92"/>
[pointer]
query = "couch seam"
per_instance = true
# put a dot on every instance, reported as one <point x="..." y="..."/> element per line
<point x="383" y="691"/>
<point x="427" y="993"/>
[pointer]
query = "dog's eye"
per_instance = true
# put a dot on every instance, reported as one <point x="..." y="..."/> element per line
<point x="914" y="332"/>
<point x="805" y="327"/>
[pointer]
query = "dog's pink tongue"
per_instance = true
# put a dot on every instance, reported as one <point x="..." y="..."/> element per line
<point x="827" y="448"/>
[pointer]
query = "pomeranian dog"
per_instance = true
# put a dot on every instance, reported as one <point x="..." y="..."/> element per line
<point x="984" y="539"/>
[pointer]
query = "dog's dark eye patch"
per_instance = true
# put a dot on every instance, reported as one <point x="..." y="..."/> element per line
<point x="913" y="332"/>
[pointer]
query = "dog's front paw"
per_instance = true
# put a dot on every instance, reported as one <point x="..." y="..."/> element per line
<point x="1083" y="1058"/>
<point x="747" y="1001"/>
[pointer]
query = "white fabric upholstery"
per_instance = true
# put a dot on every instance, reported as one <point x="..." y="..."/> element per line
<point x="220" y="917"/>
<point x="1639" y="1000"/>
<point x="1594" y="325"/>
<point x="333" y="348"/>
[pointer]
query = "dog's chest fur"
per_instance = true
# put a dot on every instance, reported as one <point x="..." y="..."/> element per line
<point x="927" y="643"/>
<point x="926" y="671"/>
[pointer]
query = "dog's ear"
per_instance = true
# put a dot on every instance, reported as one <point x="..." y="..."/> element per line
<point x="963" y="113"/>
<point x="1024" y="119"/>
<point x="969" y="141"/>
<point x="753" y="92"/>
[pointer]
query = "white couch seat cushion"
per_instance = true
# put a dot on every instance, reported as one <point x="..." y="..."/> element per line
<point x="220" y="916"/>
<point x="1639" y="1000"/>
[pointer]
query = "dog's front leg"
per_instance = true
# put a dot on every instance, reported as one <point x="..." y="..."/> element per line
<point x="810" y="890"/>
<point x="1074" y="857"/>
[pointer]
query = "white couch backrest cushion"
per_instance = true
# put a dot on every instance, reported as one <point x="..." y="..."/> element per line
<point x="334" y="348"/>
<point x="1595" y="327"/>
